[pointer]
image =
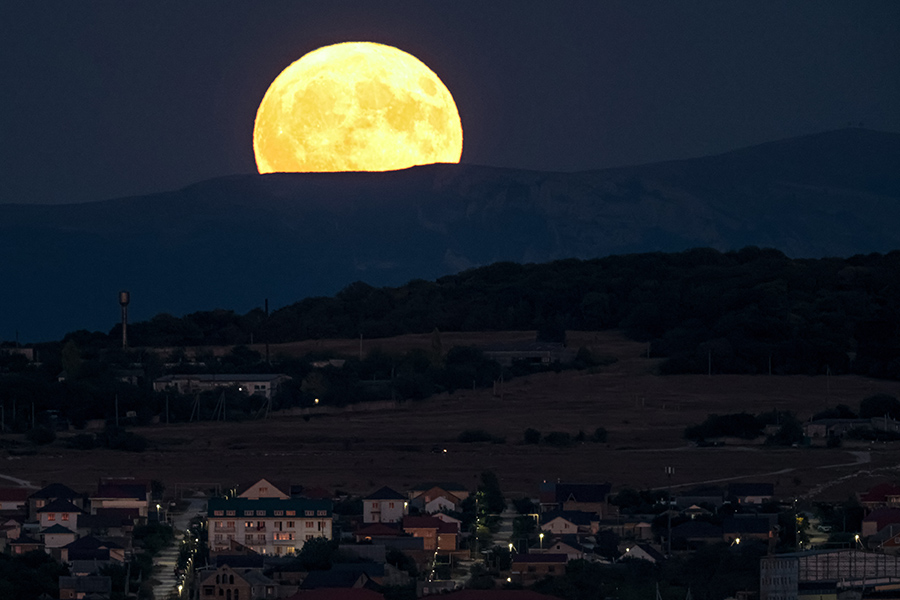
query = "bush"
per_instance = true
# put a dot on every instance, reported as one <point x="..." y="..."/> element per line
<point x="560" y="439"/>
<point x="833" y="442"/>
<point x="740" y="425"/>
<point x="599" y="435"/>
<point x="532" y="436"/>
<point x="40" y="435"/>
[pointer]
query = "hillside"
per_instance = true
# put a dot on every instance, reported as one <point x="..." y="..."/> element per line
<point x="234" y="241"/>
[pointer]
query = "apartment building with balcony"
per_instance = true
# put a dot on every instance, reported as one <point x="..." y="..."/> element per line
<point x="277" y="526"/>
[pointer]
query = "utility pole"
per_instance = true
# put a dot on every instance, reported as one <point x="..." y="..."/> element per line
<point x="669" y="472"/>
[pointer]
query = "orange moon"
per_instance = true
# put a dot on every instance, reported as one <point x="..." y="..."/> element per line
<point x="356" y="106"/>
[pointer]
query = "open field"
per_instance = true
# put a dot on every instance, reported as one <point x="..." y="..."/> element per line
<point x="645" y="416"/>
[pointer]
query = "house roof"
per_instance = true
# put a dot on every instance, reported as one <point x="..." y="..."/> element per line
<point x="241" y="561"/>
<point x="100" y="584"/>
<point x="429" y="523"/>
<point x="576" y="517"/>
<point x="124" y="490"/>
<point x="24" y="539"/>
<point x="332" y="579"/>
<point x="385" y="493"/>
<point x="283" y="487"/>
<point x="746" y="525"/>
<point x="540" y="558"/>
<point x="14" y="494"/>
<point x="60" y="505"/>
<point x="89" y="542"/>
<point x="880" y="492"/>
<point x="751" y="489"/>
<point x="57" y="529"/>
<point x="379" y="529"/>
<point x="697" y="529"/>
<point x="55" y="490"/>
<point x="883" y="517"/>
<point x="650" y="551"/>
<point x="246" y="507"/>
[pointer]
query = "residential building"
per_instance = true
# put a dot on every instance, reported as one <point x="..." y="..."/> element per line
<point x="385" y="506"/>
<point x="54" y="491"/>
<point x="643" y="552"/>
<point x="13" y="498"/>
<point x="435" y="533"/>
<point x="259" y="384"/>
<point x="233" y="584"/>
<point x="264" y="488"/>
<point x="564" y="522"/>
<point x="91" y="586"/>
<point x="527" y="568"/>
<point x="750" y="493"/>
<point x="267" y="525"/>
<point x="882" y="495"/>
<point x="60" y="512"/>
<point x="451" y="487"/>
<point x="122" y="493"/>
<point x="588" y="497"/>
<point x="539" y="353"/>
<point x="878" y="519"/>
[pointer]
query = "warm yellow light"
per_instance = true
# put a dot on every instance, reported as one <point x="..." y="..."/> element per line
<point x="356" y="106"/>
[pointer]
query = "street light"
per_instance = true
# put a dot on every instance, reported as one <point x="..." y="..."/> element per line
<point x="541" y="536"/>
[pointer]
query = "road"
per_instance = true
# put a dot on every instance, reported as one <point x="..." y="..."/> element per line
<point x="165" y="561"/>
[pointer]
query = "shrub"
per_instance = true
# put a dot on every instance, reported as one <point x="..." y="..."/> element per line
<point x="532" y="436"/>
<point x="560" y="439"/>
<point x="599" y="435"/>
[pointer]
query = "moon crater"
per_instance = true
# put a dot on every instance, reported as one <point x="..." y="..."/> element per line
<point x="356" y="106"/>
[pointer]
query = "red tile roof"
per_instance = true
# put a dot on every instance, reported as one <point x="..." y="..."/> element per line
<point x="880" y="492"/>
<point x="14" y="494"/>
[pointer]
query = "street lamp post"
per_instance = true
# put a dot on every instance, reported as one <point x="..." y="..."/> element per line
<point x="541" y="537"/>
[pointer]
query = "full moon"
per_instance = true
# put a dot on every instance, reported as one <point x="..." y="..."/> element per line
<point x="356" y="106"/>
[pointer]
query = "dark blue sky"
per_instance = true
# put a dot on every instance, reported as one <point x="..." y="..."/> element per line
<point x="108" y="99"/>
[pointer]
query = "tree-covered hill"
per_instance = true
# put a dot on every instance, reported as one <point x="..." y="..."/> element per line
<point x="749" y="311"/>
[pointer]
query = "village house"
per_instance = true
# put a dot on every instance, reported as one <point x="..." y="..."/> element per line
<point x="54" y="491"/>
<point x="385" y="506"/>
<point x="436" y="499"/>
<point x="229" y="583"/>
<point x="528" y="568"/>
<point x="878" y="519"/>
<point x="570" y="545"/>
<point x="883" y="495"/>
<point x="747" y="527"/>
<point x="13" y="499"/>
<point x="643" y="552"/>
<point x="59" y="512"/>
<point x="750" y="493"/>
<point x="562" y="522"/>
<point x="122" y="494"/>
<point x="91" y="586"/>
<point x="267" y="525"/>
<point x="435" y="533"/>
<point x="252" y="384"/>
<point x="539" y="353"/>
<point x="587" y="497"/>
<point x="452" y="487"/>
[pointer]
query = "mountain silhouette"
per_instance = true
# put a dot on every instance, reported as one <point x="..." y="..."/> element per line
<point x="234" y="241"/>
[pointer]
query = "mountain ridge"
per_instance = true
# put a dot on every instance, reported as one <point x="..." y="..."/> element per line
<point x="236" y="240"/>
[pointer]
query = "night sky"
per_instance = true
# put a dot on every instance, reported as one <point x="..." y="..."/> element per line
<point x="110" y="99"/>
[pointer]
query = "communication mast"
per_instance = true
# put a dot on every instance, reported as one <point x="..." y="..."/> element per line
<point x="124" y="299"/>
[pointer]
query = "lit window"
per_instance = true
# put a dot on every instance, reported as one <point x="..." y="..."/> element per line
<point x="219" y="513"/>
<point x="229" y="513"/>
<point x="51" y="517"/>
<point x="65" y="516"/>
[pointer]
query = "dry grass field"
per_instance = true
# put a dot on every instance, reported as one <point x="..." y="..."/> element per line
<point x="645" y="415"/>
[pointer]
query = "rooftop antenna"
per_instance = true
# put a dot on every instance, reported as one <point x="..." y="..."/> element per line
<point x="124" y="299"/>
